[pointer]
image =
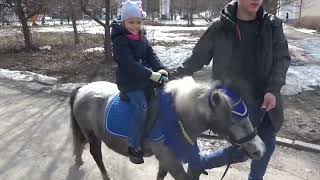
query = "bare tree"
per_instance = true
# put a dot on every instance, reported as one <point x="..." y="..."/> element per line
<point x="271" y="6"/>
<point x="196" y="7"/>
<point x="91" y="8"/>
<point x="71" y="5"/>
<point x="151" y="7"/>
<point x="25" y="9"/>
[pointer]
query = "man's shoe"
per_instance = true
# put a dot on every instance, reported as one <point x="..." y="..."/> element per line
<point x="135" y="157"/>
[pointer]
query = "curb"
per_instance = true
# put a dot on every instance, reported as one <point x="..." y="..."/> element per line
<point x="295" y="144"/>
<point x="299" y="145"/>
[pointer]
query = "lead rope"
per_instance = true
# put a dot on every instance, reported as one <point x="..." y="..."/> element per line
<point x="229" y="164"/>
<point x="185" y="134"/>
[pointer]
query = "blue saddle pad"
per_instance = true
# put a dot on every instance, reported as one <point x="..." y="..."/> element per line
<point x="118" y="116"/>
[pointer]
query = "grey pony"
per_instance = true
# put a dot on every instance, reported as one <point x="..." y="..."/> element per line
<point x="192" y="105"/>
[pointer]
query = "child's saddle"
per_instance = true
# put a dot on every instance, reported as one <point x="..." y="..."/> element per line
<point x="119" y="113"/>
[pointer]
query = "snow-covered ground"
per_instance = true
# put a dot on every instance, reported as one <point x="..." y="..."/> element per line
<point x="308" y="31"/>
<point x="174" y="44"/>
<point x="310" y="45"/>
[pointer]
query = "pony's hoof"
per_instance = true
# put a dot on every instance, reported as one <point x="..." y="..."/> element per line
<point x="105" y="177"/>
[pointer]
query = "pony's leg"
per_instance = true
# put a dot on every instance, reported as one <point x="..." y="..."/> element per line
<point x="78" y="153"/>
<point x="161" y="173"/>
<point x="195" y="175"/>
<point x="95" y="150"/>
<point x="177" y="171"/>
<point x="168" y="162"/>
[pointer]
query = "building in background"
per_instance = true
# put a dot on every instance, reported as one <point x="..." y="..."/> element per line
<point x="292" y="8"/>
<point x="300" y="10"/>
<point x="165" y="9"/>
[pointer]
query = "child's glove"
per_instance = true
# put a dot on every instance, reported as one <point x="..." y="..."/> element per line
<point x="155" y="76"/>
<point x="159" y="78"/>
<point x="163" y="72"/>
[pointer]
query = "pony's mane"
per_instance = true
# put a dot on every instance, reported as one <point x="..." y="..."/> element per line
<point x="186" y="86"/>
<point x="191" y="97"/>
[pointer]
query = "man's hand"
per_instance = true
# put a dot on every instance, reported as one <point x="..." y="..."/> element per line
<point x="269" y="101"/>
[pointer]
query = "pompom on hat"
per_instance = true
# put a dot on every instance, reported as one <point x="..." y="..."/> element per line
<point x="131" y="9"/>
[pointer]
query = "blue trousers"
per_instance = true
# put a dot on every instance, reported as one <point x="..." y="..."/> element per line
<point x="258" y="167"/>
<point x="138" y="103"/>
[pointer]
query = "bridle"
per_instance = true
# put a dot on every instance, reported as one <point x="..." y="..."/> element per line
<point x="235" y="113"/>
<point x="235" y="142"/>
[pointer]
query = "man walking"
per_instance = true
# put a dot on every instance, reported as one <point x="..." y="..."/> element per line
<point x="247" y="43"/>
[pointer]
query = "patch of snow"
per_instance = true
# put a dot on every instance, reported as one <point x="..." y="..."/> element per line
<point x="27" y="76"/>
<point x="45" y="48"/>
<point x="304" y="30"/>
<point x="90" y="50"/>
<point x="173" y="33"/>
<point x="298" y="55"/>
<point x="197" y="22"/>
<point x="172" y="57"/>
<point x="300" y="78"/>
<point x="310" y="45"/>
<point x="294" y="48"/>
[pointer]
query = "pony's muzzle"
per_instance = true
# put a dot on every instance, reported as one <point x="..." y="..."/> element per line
<point x="255" y="148"/>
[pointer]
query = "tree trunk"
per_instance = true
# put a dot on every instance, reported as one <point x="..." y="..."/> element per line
<point x="271" y="6"/>
<point x="107" y="37"/>
<point x="75" y="30"/>
<point x="191" y="17"/>
<point x="74" y="21"/>
<point x="25" y="28"/>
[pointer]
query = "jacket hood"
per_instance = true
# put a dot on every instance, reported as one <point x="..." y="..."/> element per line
<point x="117" y="29"/>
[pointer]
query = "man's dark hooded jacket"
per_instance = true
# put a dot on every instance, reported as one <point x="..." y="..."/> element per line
<point x="218" y="43"/>
<point x="135" y="58"/>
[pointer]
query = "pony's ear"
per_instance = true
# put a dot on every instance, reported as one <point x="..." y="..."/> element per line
<point x="215" y="98"/>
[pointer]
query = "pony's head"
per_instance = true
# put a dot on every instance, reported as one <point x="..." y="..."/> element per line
<point x="234" y="123"/>
<point x="210" y="108"/>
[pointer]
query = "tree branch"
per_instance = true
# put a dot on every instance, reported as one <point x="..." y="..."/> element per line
<point x="83" y="5"/>
<point x="9" y="4"/>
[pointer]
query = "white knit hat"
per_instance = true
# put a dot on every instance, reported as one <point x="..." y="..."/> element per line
<point x="131" y="9"/>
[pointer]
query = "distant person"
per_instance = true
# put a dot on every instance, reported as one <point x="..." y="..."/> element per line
<point x="287" y="18"/>
<point x="247" y="43"/>
<point x="43" y="22"/>
<point x="138" y="69"/>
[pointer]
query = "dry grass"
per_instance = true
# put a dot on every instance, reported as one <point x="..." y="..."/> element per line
<point x="310" y="22"/>
<point x="15" y="41"/>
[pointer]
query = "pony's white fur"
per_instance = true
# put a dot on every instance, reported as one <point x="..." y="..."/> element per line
<point x="185" y="89"/>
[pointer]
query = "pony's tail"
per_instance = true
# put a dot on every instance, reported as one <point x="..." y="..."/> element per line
<point x="79" y="139"/>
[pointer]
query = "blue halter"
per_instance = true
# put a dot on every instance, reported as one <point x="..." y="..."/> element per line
<point x="239" y="108"/>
